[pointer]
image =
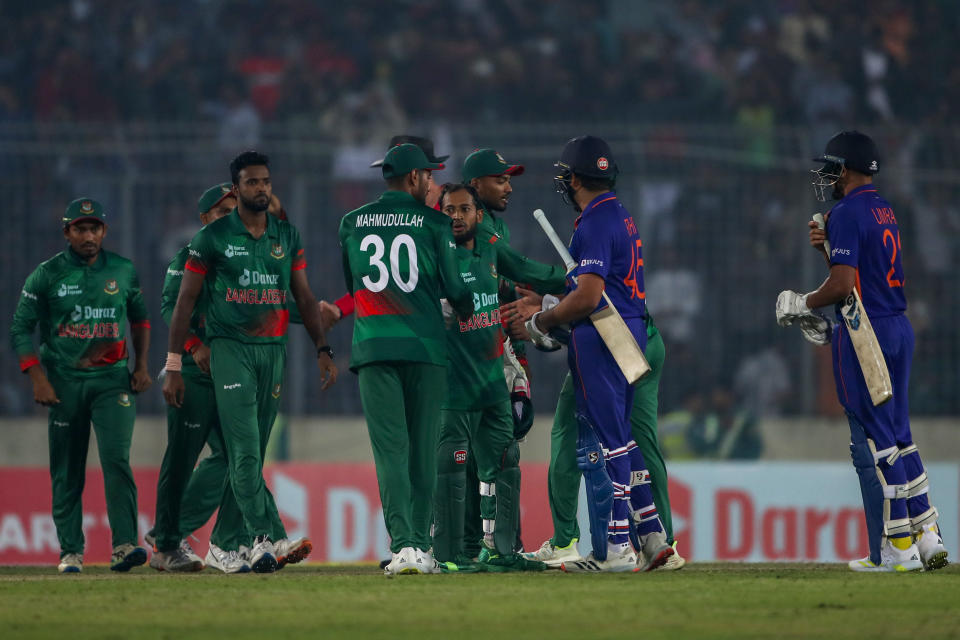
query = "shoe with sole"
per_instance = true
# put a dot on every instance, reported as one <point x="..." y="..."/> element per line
<point x="932" y="552"/>
<point x="71" y="563"/>
<point x="426" y="562"/>
<point x="616" y="562"/>
<point x="150" y="538"/>
<point x="226" y="561"/>
<point x="674" y="562"/>
<point x="263" y="556"/>
<point x="512" y="562"/>
<point x="126" y="557"/>
<point x="554" y="556"/>
<point x="404" y="562"/>
<point x="175" y="560"/>
<point x="189" y="552"/>
<point x="655" y="551"/>
<point x="292" y="551"/>
<point x="892" y="560"/>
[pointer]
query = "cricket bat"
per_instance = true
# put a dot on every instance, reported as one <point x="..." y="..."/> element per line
<point x="608" y="321"/>
<point x="864" y="340"/>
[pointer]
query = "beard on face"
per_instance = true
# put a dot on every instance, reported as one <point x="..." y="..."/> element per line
<point x="466" y="235"/>
<point x="258" y="204"/>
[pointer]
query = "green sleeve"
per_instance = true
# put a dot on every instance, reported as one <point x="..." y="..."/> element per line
<point x="454" y="289"/>
<point x="345" y="257"/>
<point x="30" y="310"/>
<point x="544" y="278"/>
<point x="299" y="262"/>
<point x="171" y="286"/>
<point x="136" y="307"/>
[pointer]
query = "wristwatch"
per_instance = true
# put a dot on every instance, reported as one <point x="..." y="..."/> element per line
<point x="325" y="349"/>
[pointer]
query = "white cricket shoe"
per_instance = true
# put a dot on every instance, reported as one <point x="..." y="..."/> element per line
<point x="175" y="560"/>
<point x="426" y="562"/>
<point x="932" y="552"/>
<point x="71" y="563"/>
<point x="891" y="560"/>
<point x="292" y="551"/>
<point x="404" y="562"/>
<point x="226" y="561"/>
<point x="655" y="551"/>
<point x="553" y="556"/>
<point x="127" y="556"/>
<point x="617" y="562"/>
<point x="263" y="556"/>
<point x="674" y="562"/>
<point x="189" y="552"/>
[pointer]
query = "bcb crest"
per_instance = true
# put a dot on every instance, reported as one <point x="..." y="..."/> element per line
<point x="277" y="252"/>
<point x="111" y="288"/>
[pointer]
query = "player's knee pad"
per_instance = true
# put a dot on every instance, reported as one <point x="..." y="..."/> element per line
<point x="928" y="517"/>
<point x="600" y="490"/>
<point x="449" y="500"/>
<point x="507" y="490"/>
<point x="871" y="490"/>
<point x="884" y="460"/>
<point x="452" y="457"/>
<point x="918" y="483"/>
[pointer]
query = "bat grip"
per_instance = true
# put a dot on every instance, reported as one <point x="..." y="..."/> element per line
<point x="818" y="218"/>
<point x="555" y="240"/>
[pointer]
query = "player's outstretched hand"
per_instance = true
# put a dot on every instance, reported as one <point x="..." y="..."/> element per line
<point x="173" y="389"/>
<point x="328" y="369"/>
<point x="201" y="357"/>
<point x="330" y="314"/>
<point x="514" y="314"/>
<point x="43" y="392"/>
<point x="140" y="381"/>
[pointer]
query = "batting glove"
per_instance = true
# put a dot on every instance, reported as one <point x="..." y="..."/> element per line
<point x="816" y="329"/>
<point x="791" y="306"/>
<point x="541" y="340"/>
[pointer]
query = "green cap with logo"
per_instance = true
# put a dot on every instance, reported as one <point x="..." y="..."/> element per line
<point x="83" y="209"/>
<point x="487" y="162"/>
<point x="404" y="158"/>
<point x="213" y="196"/>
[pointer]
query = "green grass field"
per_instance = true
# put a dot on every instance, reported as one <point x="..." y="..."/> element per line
<point x="701" y="601"/>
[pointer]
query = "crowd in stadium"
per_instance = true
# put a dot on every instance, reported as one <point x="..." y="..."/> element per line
<point x="286" y="60"/>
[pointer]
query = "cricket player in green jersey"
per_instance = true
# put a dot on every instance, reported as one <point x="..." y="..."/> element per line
<point x="486" y="171"/>
<point x="82" y="298"/>
<point x="476" y="420"/>
<point x="245" y="264"/>
<point x="398" y="262"/>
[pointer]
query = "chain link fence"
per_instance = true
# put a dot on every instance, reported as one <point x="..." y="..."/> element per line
<point x="722" y="212"/>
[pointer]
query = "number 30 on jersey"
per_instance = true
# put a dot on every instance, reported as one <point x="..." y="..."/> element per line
<point x="383" y="274"/>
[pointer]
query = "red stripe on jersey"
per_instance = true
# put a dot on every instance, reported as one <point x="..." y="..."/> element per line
<point x="298" y="263"/>
<point x="28" y="361"/>
<point x="196" y="266"/>
<point x="369" y="303"/>
<point x="191" y="343"/>
<point x="274" y="324"/>
<point x="107" y="354"/>
<point x="345" y="304"/>
<point x="143" y="323"/>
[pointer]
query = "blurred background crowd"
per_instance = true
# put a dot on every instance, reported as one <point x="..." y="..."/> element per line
<point x="713" y="109"/>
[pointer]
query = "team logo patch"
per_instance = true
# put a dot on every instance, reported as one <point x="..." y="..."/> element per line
<point x="276" y="391"/>
<point x="86" y="206"/>
<point x="225" y="190"/>
<point x="593" y="457"/>
<point x="124" y="400"/>
<point x="500" y="158"/>
<point x="602" y="163"/>
<point x="277" y="252"/>
<point x="460" y="456"/>
<point x="111" y="287"/>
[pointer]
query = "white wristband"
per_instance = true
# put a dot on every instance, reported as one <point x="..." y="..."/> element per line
<point x="174" y="362"/>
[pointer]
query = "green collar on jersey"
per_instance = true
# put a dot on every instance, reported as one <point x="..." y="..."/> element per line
<point x="237" y="226"/>
<point x="399" y="196"/>
<point x="74" y="259"/>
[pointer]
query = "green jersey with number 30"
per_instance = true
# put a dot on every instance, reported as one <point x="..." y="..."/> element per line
<point x="398" y="261"/>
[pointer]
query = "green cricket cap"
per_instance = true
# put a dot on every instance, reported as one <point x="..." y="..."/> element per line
<point x="212" y="196"/>
<point x="404" y="158"/>
<point x="487" y="162"/>
<point x="83" y="209"/>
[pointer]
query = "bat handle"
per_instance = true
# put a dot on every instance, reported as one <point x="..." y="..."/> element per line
<point x="555" y="240"/>
<point x="821" y="223"/>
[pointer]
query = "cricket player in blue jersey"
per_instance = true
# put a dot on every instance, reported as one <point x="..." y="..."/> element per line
<point x="608" y="253"/>
<point x="865" y="254"/>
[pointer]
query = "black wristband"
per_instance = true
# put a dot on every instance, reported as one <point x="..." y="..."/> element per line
<point x="325" y="349"/>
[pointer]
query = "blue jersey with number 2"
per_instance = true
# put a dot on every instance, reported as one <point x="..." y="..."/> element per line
<point x="863" y="234"/>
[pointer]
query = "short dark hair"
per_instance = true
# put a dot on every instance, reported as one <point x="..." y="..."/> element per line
<point x="453" y="187"/>
<point x="247" y="159"/>
<point x="596" y="184"/>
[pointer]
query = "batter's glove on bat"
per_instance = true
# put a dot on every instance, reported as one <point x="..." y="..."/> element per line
<point x="791" y="306"/>
<point x="519" y="386"/>
<point x="817" y="329"/>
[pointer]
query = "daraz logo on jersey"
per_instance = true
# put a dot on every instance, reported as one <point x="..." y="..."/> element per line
<point x="234" y="250"/>
<point x="255" y="277"/>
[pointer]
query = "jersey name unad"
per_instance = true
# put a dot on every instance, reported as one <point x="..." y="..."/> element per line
<point x="82" y="311"/>
<point x="863" y="234"/>
<point x="247" y="279"/>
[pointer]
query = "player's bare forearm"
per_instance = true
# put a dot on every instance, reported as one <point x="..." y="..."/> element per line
<point x="835" y="288"/>
<point x="308" y="307"/>
<point x="578" y="304"/>
<point x="43" y="392"/>
<point x="186" y="301"/>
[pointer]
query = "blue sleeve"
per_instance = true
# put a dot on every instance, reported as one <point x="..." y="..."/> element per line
<point x="844" y="236"/>
<point x="594" y="244"/>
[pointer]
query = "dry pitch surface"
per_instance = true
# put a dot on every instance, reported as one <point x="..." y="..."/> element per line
<point x="700" y="601"/>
